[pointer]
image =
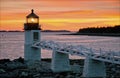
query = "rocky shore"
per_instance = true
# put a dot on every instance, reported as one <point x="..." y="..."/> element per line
<point x="18" y="69"/>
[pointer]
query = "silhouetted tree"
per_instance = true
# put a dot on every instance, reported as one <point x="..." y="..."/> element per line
<point x="115" y="29"/>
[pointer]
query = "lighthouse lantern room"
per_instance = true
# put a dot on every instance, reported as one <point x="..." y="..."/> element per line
<point x="32" y="35"/>
<point x="32" y="18"/>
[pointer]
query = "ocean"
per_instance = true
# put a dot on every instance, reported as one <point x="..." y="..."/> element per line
<point x="12" y="43"/>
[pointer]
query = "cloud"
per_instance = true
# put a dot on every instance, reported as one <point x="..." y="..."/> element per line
<point x="59" y="14"/>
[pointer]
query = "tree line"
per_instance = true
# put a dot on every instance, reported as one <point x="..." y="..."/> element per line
<point x="114" y="29"/>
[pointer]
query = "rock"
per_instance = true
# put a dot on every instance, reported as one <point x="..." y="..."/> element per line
<point x="41" y="69"/>
<point x="4" y="61"/>
<point x="113" y="69"/>
<point x="15" y="65"/>
<point x="36" y="75"/>
<point x="4" y="75"/>
<point x="70" y="76"/>
<point x="20" y="59"/>
<point x="24" y="74"/>
<point x="2" y="66"/>
<point x="76" y="68"/>
<point x="8" y="75"/>
<point x="2" y="71"/>
<point x="57" y="76"/>
<point x="78" y="75"/>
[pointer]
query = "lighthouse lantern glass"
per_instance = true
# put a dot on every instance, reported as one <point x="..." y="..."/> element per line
<point x="32" y="20"/>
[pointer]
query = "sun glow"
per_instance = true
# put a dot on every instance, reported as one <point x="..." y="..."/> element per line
<point x="57" y="15"/>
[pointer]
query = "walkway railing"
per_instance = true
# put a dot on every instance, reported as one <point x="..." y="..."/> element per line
<point x="80" y="50"/>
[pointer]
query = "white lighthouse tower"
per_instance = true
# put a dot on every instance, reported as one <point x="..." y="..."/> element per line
<point x="32" y="35"/>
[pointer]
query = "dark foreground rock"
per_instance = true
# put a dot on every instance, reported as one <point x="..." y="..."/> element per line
<point x="113" y="70"/>
<point x="18" y="69"/>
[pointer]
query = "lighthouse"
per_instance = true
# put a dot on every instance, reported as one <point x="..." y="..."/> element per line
<point x="32" y="35"/>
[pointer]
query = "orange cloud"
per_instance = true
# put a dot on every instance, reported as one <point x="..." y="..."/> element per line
<point x="57" y="15"/>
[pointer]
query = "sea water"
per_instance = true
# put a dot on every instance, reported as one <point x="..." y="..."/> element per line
<point x="12" y="43"/>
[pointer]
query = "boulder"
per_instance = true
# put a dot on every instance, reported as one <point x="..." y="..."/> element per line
<point x="15" y="65"/>
<point x="75" y="68"/>
<point x="2" y="71"/>
<point x="20" y="59"/>
<point x="24" y="74"/>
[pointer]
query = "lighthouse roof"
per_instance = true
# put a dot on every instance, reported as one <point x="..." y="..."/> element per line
<point x="32" y="14"/>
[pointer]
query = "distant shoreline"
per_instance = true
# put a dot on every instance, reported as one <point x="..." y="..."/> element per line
<point x="88" y="34"/>
<point x="96" y="34"/>
<point x="41" y="31"/>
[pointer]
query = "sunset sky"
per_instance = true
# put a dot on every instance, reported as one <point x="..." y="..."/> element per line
<point x="60" y="14"/>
